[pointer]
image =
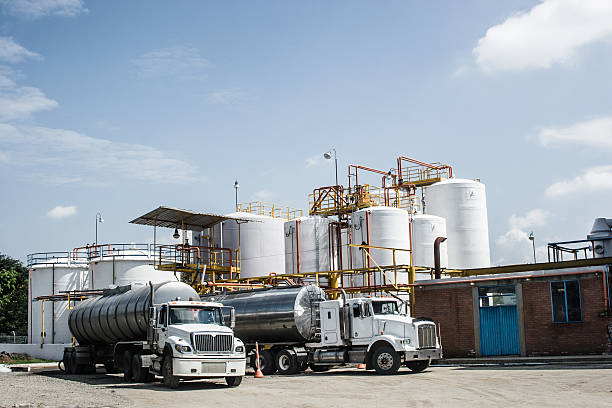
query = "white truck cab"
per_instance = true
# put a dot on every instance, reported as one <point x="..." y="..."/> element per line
<point x="374" y="331"/>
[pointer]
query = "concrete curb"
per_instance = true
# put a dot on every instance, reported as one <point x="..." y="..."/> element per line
<point x="516" y="360"/>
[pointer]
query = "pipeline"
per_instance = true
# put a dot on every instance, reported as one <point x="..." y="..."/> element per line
<point x="437" y="242"/>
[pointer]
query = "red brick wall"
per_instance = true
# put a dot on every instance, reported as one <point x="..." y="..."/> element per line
<point x="451" y="307"/>
<point x="543" y="337"/>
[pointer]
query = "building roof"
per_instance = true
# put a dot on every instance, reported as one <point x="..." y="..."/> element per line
<point x="182" y="219"/>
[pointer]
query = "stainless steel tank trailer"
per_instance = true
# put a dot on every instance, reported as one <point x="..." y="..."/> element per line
<point x="157" y="329"/>
<point x="297" y="327"/>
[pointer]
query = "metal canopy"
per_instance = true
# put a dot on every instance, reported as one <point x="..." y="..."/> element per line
<point x="181" y="219"/>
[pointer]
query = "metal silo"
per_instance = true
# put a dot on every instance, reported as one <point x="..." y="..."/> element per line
<point x="463" y="203"/>
<point x="307" y="245"/>
<point x="425" y="230"/>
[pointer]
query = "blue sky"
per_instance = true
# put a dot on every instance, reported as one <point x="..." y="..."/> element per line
<point x="119" y="107"/>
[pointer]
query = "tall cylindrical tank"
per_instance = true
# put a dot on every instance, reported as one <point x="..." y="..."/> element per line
<point x="124" y="267"/>
<point x="463" y="203"/>
<point x="425" y="229"/>
<point x="274" y="314"/>
<point x="122" y="314"/>
<point x="387" y="227"/>
<point x="261" y="241"/>
<point x="50" y="277"/>
<point x="307" y="245"/>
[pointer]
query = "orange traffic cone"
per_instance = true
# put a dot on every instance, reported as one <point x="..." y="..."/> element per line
<point x="258" y="373"/>
<point x="361" y="366"/>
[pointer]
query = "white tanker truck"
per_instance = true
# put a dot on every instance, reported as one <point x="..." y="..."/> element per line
<point x="297" y="327"/>
<point x="157" y="329"/>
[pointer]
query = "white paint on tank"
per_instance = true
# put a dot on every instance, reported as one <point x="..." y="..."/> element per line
<point x="384" y="227"/>
<point x="308" y="236"/>
<point x="125" y="267"/>
<point x="53" y="277"/>
<point x="425" y="230"/>
<point x="463" y="203"/>
<point x="262" y="243"/>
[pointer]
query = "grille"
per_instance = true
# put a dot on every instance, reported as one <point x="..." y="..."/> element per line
<point x="213" y="343"/>
<point x="427" y="336"/>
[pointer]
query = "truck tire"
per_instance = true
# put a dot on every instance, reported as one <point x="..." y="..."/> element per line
<point x="128" y="375"/>
<point x="233" y="381"/>
<point x="170" y="380"/>
<point x="286" y="362"/>
<point x="266" y="362"/>
<point x="139" y="373"/>
<point x="385" y="360"/>
<point x="417" y="366"/>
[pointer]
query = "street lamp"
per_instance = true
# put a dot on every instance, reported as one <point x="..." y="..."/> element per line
<point x="98" y="219"/>
<point x="236" y="187"/>
<point x="532" y="239"/>
<point x="328" y="156"/>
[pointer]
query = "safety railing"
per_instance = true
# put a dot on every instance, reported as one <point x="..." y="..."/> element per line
<point x="47" y="258"/>
<point x="270" y="210"/>
<point x="420" y="175"/>
<point x="574" y="250"/>
<point x="197" y="259"/>
<point x="115" y="250"/>
<point x="10" y="339"/>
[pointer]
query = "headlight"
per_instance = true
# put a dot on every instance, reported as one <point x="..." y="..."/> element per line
<point x="182" y="349"/>
<point x="239" y="349"/>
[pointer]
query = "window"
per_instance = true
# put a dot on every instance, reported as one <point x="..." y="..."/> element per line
<point x="565" y="297"/>
<point x="385" y="308"/>
<point x="162" y="316"/>
<point x="190" y="315"/>
<point x="496" y="296"/>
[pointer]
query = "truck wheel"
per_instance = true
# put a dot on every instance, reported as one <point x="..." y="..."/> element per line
<point x="286" y="362"/>
<point x="73" y="367"/>
<point x="233" y="381"/>
<point x="139" y="373"/>
<point x="417" y="366"/>
<point x="170" y="380"/>
<point x="266" y="362"/>
<point x="385" y="360"/>
<point x="128" y="375"/>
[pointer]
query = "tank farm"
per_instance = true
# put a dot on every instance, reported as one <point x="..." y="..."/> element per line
<point x="375" y="235"/>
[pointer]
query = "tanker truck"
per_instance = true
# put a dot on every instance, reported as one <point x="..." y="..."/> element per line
<point x="157" y="329"/>
<point x="297" y="327"/>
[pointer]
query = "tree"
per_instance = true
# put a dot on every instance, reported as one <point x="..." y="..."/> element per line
<point x="13" y="296"/>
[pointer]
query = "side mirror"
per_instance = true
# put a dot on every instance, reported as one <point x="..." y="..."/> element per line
<point x="363" y="310"/>
<point x="152" y="316"/>
<point x="232" y="317"/>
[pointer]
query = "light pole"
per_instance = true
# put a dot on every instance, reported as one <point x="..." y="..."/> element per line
<point x="328" y="156"/>
<point x="532" y="239"/>
<point x="236" y="187"/>
<point x="98" y="219"/>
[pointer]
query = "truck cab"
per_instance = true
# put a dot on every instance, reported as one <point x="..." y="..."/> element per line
<point x="376" y="332"/>
<point x="191" y="341"/>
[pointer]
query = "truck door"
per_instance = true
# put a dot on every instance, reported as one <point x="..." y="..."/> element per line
<point x="162" y="328"/>
<point x="362" y="321"/>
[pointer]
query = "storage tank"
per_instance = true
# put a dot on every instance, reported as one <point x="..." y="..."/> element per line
<point x="283" y="315"/>
<point x="463" y="203"/>
<point x="307" y="245"/>
<point x="118" y="267"/>
<point x="383" y="227"/>
<point x="425" y="230"/>
<point x="261" y="240"/>
<point x="601" y="234"/>
<point x="122" y="314"/>
<point x="51" y="275"/>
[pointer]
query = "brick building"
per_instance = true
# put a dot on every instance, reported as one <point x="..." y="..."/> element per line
<point x="529" y="310"/>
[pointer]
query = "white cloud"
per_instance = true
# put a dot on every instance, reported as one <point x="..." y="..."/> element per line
<point x="20" y="102"/>
<point x="314" y="160"/>
<point x="39" y="8"/>
<point x="594" y="133"/>
<point x="594" y="179"/>
<point x="178" y="62"/>
<point x="58" y="156"/>
<point x="552" y="32"/>
<point x="515" y="246"/>
<point x="224" y="97"/>
<point x="62" y="212"/>
<point x="263" y="194"/>
<point x="13" y="53"/>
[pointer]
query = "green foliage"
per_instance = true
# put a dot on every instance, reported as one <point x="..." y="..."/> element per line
<point x="13" y="296"/>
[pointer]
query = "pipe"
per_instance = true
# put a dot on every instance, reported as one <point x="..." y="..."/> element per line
<point x="297" y="243"/>
<point x="436" y="250"/>
<point x="605" y="289"/>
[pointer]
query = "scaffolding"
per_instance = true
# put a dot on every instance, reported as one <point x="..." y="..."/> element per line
<point x="270" y="210"/>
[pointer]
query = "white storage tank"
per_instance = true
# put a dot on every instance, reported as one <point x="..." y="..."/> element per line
<point x="50" y="276"/>
<point x="307" y="245"/>
<point x="463" y="203"/>
<point x="384" y="227"/>
<point x="425" y="230"/>
<point x="261" y="240"/>
<point x="125" y="266"/>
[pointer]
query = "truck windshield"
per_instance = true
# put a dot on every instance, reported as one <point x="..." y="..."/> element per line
<point x="193" y="315"/>
<point x="385" y="308"/>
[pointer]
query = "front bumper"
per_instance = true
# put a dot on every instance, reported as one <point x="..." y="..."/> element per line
<point x="423" y="354"/>
<point x="205" y="367"/>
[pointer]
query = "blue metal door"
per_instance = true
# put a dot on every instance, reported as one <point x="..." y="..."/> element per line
<point x="499" y="330"/>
